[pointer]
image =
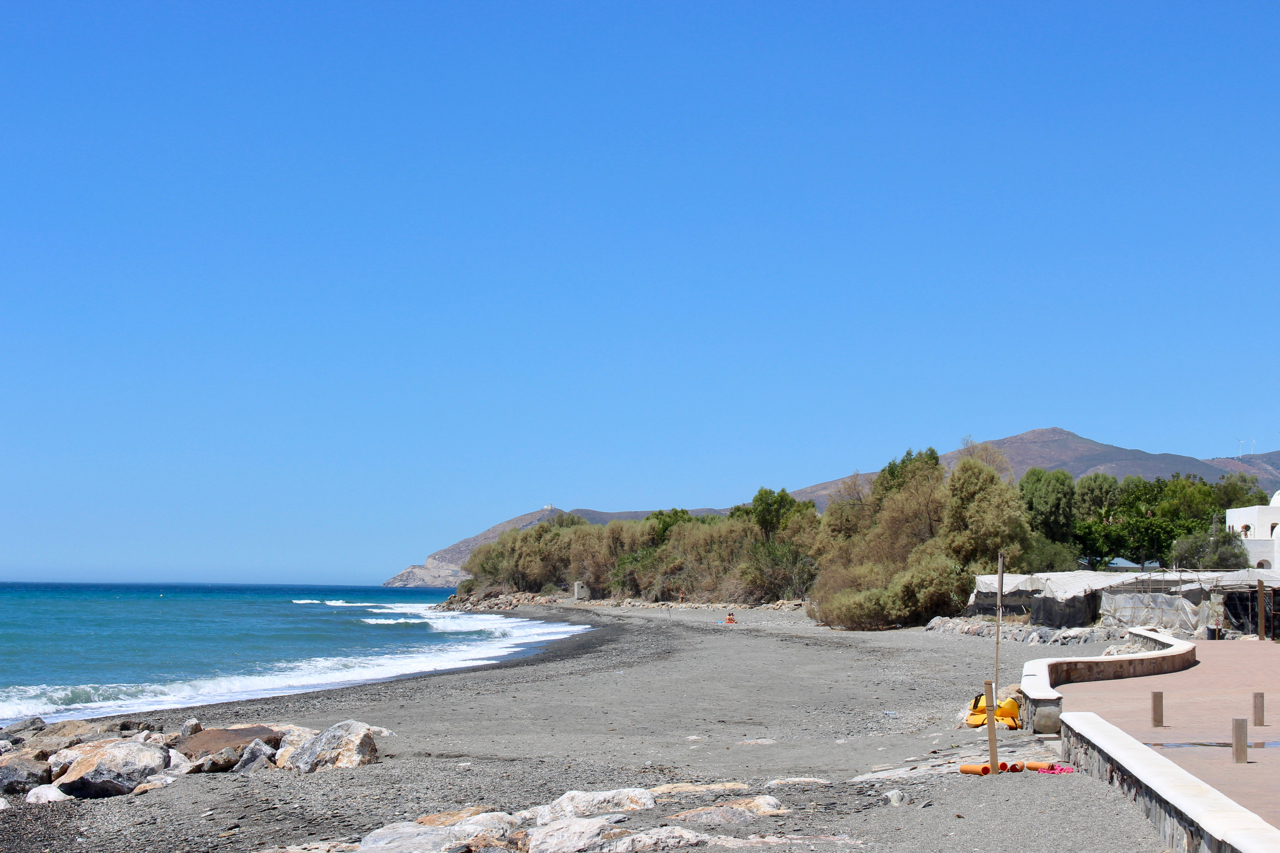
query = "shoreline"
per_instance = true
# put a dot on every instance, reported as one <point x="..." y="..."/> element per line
<point x="650" y="697"/>
<point x="158" y="705"/>
<point x="536" y="650"/>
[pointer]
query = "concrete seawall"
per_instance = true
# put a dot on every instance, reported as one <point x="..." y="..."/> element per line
<point x="1042" y="711"/>
<point x="1190" y="815"/>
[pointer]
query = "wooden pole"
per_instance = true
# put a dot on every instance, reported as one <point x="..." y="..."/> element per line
<point x="1259" y="709"/>
<point x="1262" y="613"/>
<point x="1239" y="748"/>
<point x="991" y="730"/>
<point x="999" y="611"/>
<point x="1157" y="709"/>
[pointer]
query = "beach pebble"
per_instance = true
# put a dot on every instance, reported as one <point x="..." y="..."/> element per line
<point x="582" y="803"/>
<point x="191" y="727"/>
<point x="4" y="804"/>
<point x="896" y="798"/>
<point x="46" y="794"/>
<point x="5" y="746"/>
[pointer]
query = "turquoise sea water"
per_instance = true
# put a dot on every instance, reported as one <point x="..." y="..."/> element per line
<point x="78" y="650"/>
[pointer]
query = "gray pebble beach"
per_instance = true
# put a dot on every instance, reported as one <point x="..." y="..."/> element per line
<point x="649" y="697"/>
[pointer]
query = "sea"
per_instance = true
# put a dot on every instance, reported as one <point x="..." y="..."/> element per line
<point x="81" y="650"/>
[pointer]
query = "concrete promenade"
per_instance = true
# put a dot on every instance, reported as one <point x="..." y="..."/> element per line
<point x="1199" y="704"/>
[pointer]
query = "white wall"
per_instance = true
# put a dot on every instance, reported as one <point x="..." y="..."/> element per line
<point x="1260" y="520"/>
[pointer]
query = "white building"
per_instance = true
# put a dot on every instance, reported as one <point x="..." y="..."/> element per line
<point x="1257" y="525"/>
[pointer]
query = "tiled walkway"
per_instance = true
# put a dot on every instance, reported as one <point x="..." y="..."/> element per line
<point x="1199" y="704"/>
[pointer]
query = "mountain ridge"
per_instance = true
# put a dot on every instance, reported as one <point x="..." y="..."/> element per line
<point x="1050" y="448"/>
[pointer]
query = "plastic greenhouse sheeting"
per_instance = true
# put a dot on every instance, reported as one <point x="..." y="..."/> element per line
<point x="1140" y="610"/>
<point x="1246" y="580"/>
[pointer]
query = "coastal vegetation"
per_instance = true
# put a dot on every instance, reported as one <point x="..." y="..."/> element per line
<point x="894" y="549"/>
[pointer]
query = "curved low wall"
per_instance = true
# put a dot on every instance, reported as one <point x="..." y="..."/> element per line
<point x="1042" y="711"/>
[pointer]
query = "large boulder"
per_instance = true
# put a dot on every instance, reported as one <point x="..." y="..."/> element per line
<point x="346" y="744"/>
<point x="659" y="838"/>
<point x="211" y="741"/>
<point x="23" y="728"/>
<point x="114" y="769"/>
<point x="582" y="803"/>
<point x="601" y="835"/>
<point x="50" y="745"/>
<point x="733" y="812"/>
<point x="180" y="764"/>
<point x="6" y="746"/>
<point x="218" y="762"/>
<point x="256" y="756"/>
<point x="61" y="760"/>
<point x="18" y="775"/>
<point x="293" y="738"/>
<point x="73" y="728"/>
<point x="477" y="831"/>
<point x="575" y="835"/>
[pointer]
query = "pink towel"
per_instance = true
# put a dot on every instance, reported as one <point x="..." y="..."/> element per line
<point x="1057" y="769"/>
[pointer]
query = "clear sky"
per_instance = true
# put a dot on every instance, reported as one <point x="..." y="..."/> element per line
<point x="305" y="291"/>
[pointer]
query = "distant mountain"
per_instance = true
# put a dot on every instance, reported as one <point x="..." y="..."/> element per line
<point x="1056" y="448"/>
<point x="443" y="569"/>
<point x="1265" y="466"/>
<point x="1050" y="449"/>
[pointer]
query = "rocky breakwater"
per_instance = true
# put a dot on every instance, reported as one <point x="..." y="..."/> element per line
<point x="79" y="759"/>
<point x="494" y="600"/>
<point x="587" y="822"/>
<point x="1030" y="634"/>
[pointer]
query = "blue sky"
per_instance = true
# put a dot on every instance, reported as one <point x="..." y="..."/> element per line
<point x="303" y="292"/>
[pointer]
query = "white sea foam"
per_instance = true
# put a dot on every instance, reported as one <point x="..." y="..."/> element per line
<point x="499" y="637"/>
<point x="338" y="602"/>
<point x="305" y="601"/>
<point x="395" y="621"/>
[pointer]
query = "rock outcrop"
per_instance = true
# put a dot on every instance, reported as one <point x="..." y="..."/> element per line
<point x="443" y="569"/>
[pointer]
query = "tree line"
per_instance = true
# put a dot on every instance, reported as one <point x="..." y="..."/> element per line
<point x="895" y="549"/>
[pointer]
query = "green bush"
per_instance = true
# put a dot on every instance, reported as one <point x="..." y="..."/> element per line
<point x="1044" y="555"/>
<point x="776" y="570"/>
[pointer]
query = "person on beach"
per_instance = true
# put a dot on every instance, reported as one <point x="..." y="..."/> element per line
<point x="729" y="620"/>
